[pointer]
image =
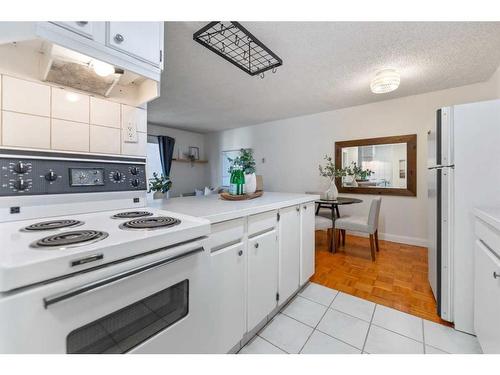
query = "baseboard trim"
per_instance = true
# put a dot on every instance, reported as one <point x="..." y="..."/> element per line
<point x="396" y="238"/>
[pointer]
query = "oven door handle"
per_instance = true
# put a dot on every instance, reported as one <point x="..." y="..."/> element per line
<point x="48" y="301"/>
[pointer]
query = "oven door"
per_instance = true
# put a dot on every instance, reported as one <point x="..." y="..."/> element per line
<point x="152" y="304"/>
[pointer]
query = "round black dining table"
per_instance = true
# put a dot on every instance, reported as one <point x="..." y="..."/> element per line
<point x="333" y="205"/>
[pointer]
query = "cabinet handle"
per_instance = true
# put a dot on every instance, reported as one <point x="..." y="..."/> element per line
<point x="496" y="275"/>
<point x="81" y="23"/>
<point x="297" y="209"/>
<point x="256" y="245"/>
<point x="240" y="253"/>
<point x="305" y="207"/>
<point x="119" y="38"/>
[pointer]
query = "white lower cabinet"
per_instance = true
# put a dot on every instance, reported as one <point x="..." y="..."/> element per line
<point x="307" y="246"/>
<point x="487" y="298"/>
<point x="289" y="252"/>
<point x="256" y="262"/>
<point x="262" y="276"/>
<point x="228" y="288"/>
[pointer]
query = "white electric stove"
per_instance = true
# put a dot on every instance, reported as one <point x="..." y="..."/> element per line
<point x="85" y="267"/>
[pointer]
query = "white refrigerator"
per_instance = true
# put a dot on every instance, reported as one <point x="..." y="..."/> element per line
<point x="463" y="173"/>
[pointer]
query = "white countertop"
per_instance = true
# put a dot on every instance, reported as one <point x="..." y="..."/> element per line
<point x="490" y="215"/>
<point x="214" y="209"/>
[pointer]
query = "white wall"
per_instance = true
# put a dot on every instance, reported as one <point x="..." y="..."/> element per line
<point x="294" y="147"/>
<point x="185" y="176"/>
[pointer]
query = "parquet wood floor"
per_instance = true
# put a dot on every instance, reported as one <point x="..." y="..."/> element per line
<point x="397" y="279"/>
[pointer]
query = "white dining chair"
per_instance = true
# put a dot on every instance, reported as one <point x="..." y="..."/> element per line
<point x="363" y="224"/>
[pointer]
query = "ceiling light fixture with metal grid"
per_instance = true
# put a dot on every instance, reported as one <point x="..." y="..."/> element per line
<point x="234" y="43"/>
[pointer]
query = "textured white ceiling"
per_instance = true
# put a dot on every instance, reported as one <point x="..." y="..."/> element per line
<point x="326" y="66"/>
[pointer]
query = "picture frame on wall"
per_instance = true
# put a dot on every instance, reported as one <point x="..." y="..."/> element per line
<point x="194" y="153"/>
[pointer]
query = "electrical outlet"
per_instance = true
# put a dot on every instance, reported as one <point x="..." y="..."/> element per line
<point x="130" y="135"/>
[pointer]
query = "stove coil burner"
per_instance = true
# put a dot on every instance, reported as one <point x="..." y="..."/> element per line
<point x="156" y="222"/>
<point x="131" y="214"/>
<point x="53" y="224"/>
<point x="71" y="239"/>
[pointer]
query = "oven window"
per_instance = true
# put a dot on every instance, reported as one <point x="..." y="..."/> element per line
<point x="126" y="328"/>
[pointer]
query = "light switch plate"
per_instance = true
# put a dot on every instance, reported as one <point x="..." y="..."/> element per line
<point x="130" y="135"/>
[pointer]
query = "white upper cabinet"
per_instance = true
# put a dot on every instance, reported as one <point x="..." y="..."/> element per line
<point x="142" y="40"/>
<point x="83" y="28"/>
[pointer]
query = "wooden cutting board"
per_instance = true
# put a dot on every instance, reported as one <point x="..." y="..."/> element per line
<point x="229" y="197"/>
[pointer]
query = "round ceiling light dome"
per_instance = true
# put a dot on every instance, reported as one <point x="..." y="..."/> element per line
<point x="385" y="80"/>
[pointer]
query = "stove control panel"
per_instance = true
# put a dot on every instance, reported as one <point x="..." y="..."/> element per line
<point x="46" y="173"/>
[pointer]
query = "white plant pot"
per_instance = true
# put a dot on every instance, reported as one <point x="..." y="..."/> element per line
<point x="160" y="195"/>
<point x="332" y="192"/>
<point x="250" y="183"/>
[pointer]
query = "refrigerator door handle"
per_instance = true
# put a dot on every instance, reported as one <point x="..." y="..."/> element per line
<point x="442" y="166"/>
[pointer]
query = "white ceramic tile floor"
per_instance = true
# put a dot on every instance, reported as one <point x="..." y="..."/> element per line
<point x="319" y="293"/>
<point x="305" y="311"/>
<point x="399" y="322"/>
<point x="360" y="308"/>
<point x="323" y="321"/>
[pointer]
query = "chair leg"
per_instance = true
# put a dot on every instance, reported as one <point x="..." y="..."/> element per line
<point x="376" y="240"/>
<point x="343" y="237"/>
<point x="329" y="239"/>
<point x="338" y="234"/>
<point x="372" y="247"/>
<point x="334" y="240"/>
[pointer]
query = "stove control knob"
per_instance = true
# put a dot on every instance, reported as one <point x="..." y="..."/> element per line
<point x="20" y="185"/>
<point x="134" y="171"/>
<point x="135" y="182"/>
<point x="21" y="167"/>
<point x="117" y="176"/>
<point x="51" y="176"/>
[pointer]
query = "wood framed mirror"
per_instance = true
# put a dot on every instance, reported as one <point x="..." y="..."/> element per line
<point x="385" y="165"/>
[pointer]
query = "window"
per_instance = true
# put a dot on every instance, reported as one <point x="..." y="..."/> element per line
<point x="226" y="155"/>
<point x="153" y="163"/>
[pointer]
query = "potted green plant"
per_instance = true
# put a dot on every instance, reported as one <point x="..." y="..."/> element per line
<point x="246" y="162"/>
<point x="159" y="185"/>
<point x="357" y="173"/>
<point x="331" y="172"/>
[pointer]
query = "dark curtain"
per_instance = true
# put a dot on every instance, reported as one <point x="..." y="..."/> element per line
<point x="166" y="145"/>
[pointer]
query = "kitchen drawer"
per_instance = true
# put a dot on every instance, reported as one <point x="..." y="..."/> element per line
<point x="104" y="113"/>
<point x="487" y="298"/>
<point x="20" y="130"/>
<point x="489" y="235"/>
<point x="262" y="222"/>
<point x="226" y="233"/>
<point x="70" y="136"/>
<point x="68" y="105"/>
<point x="23" y="96"/>
<point x="104" y="140"/>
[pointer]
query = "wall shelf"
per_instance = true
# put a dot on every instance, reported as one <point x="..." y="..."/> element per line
<point x="191" y="161"/>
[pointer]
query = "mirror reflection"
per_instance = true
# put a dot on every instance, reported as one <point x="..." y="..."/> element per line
<point x="375" y="166"/>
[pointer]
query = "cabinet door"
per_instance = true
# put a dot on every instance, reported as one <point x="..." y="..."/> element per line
<point x="487" y="299"/>
<point x="262" y="277"/>
<point x="306" y="242"/>
<point x="83" y="28"/>
<point x="139" y="39"/>
<point x="289" y="252"/>
<point x="228" y="313"/>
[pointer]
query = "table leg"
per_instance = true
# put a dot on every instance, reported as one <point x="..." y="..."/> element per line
<point x="334" y="233"/>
